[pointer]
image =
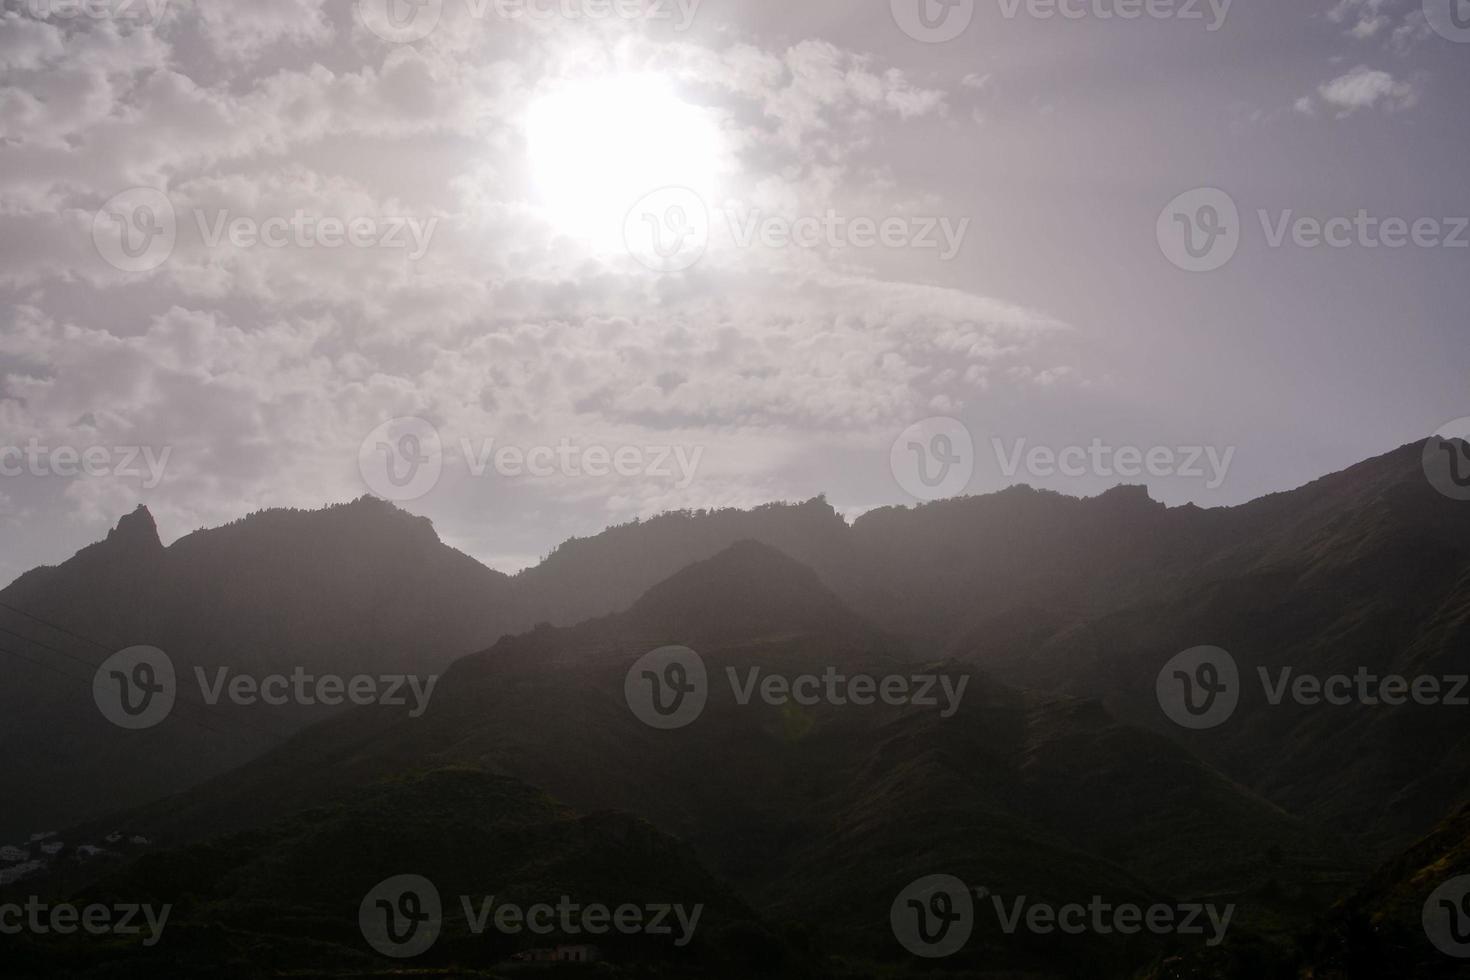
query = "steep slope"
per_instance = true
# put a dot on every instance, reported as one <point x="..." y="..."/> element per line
<point x="1367" y="570"/>
<point x="1410" y="918"/>
<point x="1382" y="927"/>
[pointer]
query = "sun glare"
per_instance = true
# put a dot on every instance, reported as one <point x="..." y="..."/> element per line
<point x="595" y="147"/>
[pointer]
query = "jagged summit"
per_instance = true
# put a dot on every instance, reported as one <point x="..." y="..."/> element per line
<point x="137" y="529"/>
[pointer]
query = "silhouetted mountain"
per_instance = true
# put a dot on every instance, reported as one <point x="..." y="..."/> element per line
<point x="1067" y="777"/>
<point x="818" y="815"/>
<point x="361" y="588"/>
<point x="1365" y="569"/>
<point x="586" y="577"/>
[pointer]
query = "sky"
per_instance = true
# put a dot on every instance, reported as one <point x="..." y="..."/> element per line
<point x="534" y="267"/>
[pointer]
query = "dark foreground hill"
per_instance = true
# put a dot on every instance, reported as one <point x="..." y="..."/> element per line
<point x="291" y="896"/>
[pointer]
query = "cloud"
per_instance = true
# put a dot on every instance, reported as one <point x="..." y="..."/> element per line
<point x="1363" y="88"/>
<point x="262" y="369"/>
<point x="242" y="31"/>
<point x="1365" y="18"/>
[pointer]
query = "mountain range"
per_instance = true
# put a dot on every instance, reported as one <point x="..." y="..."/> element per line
<point x="1057" y="777"/>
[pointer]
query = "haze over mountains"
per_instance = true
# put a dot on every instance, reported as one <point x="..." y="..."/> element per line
<point x="1058" y="776"/>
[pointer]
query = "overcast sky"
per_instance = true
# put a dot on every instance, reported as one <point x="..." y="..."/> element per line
<point x="288" y="252"/>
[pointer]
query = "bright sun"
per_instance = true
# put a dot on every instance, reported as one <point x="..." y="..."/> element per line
<point x="598" y="146"/>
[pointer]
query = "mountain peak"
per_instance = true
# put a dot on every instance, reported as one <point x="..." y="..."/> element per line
<point x="136" y="530"/>
<point x="748" y="589"/>
<point x="1128" y="496"/>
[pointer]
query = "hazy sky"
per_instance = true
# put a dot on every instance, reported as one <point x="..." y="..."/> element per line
<point x="713" y="253"/>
